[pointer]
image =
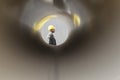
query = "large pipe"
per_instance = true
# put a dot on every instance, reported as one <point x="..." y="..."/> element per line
<point x="92" y="55"/>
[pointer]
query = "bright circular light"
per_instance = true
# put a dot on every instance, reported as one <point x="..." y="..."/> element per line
<point x="63" y="27"/>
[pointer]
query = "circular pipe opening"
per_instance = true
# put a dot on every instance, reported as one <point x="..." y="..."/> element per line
<point x="63" y="27"/>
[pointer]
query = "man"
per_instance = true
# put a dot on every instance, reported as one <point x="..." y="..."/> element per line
<point x="52" y="40"/>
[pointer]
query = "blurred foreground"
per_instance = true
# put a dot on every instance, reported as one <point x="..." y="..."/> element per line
<point x="90" y="55"/>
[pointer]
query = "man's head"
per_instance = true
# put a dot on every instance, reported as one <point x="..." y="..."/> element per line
<point x="51" y="28"/>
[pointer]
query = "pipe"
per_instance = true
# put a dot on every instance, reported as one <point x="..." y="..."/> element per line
<point x="90" y="54"/>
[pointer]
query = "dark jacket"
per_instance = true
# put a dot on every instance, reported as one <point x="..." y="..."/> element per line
<point x="51" y="38"/>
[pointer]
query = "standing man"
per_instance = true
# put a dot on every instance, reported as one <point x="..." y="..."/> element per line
<point x="52" y="40"/>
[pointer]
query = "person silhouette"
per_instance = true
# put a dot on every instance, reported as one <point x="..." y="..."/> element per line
<point x="52" y="40"/>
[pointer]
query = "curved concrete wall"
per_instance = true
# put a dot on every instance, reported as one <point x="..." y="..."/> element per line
<point x="96" y="57"/>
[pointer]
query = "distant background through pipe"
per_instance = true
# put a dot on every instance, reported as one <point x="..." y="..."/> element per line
<point x="63" y="24"/>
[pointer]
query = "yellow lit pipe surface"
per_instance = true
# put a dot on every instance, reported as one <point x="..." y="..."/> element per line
<point x="76" y="20"/>
<point x="38" y="26"/>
